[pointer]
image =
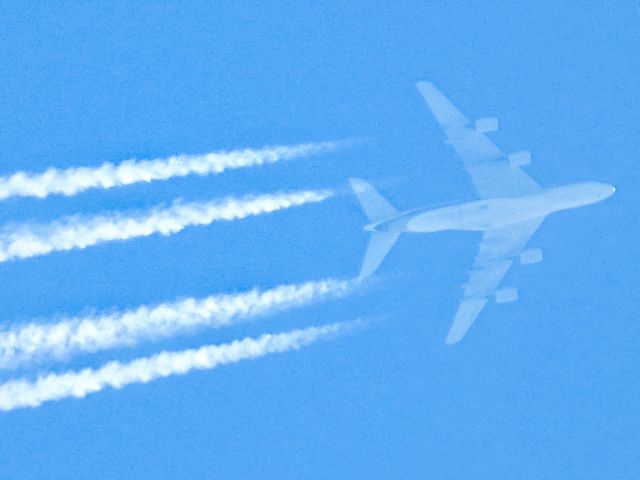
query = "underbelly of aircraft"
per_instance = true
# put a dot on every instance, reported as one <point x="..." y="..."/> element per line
<point x="475" y="216"/>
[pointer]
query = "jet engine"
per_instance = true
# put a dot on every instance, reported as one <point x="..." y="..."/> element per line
<point x="486" y="125"/>
<point x="520" y="159"/>
<point x="531" y="256"/>
<point x="506" y="295"/>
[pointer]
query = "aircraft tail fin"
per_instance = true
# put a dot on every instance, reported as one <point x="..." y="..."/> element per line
<point x="374" y="205"/>
<point x="378" y="248"/>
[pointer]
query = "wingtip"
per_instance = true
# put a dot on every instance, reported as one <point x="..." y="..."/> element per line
<point x="450" y="341"/>
<point x="357" y="184"/>
<point x="360" y="279"/>
<point x="424" y="84"/>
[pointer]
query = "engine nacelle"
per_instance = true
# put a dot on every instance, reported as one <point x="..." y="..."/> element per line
<point x="520" y="159"/>
<point x="487" y="124"/>
<point x="506" y="295"/>
<point x="531" y="256"/>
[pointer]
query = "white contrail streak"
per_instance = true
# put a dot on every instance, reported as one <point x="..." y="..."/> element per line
<point x="71" y="181"/>
<point x="77" y="232"/>
<point x="98" y="332"/>
<point x="24" y="393"/>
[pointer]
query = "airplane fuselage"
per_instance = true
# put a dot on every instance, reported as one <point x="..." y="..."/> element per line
<point x="511" y="208"/>
<point x="495" y="212"/>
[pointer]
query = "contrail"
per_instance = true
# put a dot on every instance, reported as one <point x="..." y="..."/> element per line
<point x="71" y="181"/>
<point x="24" y="241"/>
<point x="98" y="332"/>
<point x="23" y="393"/>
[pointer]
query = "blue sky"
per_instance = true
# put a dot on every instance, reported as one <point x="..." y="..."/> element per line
<point x="542" y="388"/>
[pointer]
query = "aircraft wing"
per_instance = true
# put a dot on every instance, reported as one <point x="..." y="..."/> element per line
<point x="488" y="166"/>
<point x="497" y="249"/>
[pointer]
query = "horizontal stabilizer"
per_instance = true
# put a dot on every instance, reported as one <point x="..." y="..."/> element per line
<point x="379" y="245"/>
<point x="373" y="204"/>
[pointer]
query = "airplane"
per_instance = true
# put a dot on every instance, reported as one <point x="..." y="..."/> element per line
<point x="510" y="208"/>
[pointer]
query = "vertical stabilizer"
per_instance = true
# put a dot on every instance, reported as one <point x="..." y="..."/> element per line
<point x="376" y="209"/>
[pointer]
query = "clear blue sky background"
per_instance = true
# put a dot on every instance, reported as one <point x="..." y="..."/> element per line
<point x="546" y="387"/>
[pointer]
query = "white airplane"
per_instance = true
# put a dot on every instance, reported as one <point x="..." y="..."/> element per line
<point x="511" y="208"/>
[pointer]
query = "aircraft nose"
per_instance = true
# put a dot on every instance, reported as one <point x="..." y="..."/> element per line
<point x="609" y="190"/>
<point x="605" y="190"/>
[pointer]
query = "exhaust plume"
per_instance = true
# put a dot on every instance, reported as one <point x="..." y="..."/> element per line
<point x="23" y="393"/>
<point x="125" y="328"/>
<point x="71" y="181"/>
<point x="78" y="232"/>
